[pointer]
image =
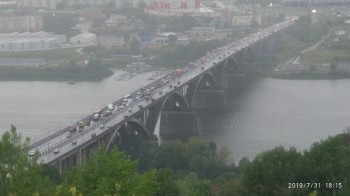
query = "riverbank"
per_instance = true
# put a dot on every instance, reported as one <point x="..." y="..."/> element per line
<point x="55" y="73"/>
<point x="312" y="76"/>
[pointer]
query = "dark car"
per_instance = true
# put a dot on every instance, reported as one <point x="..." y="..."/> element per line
<point x="87" y="122"/>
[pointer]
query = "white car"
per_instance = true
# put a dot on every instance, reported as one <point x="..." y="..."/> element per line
<point x="31" y="153"/>
<point x="55" y="151"/>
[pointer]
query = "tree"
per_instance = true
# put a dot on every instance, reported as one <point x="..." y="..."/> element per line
<point x="271" y="171"/>
<point x="19" y="174"/>
<point x="109" y="174"/>
<point x="192" y="186"/>
<point x="225" y="155"/>
<point x="59" y="23"/>
<point x="167" y="185"/>
<point x="134" y="46"/>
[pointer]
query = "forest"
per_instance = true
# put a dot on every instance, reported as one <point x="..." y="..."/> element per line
<point x="192" y="167"/>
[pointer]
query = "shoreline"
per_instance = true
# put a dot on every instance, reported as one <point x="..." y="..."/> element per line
<point x="311" y="76"/>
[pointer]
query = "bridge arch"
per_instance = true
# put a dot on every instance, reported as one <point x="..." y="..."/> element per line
<point x="175" y="101"/>
<point x="207" y="80"/>
<point x="249" y="58"/>
<point x="133" y="124"/>
<point x="231" y="66"/>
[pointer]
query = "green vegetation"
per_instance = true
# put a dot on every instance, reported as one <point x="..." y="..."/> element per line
<point x="334" y="49"/>
<point x="52" y="57"/>
<point x="91" y="72"/>
<point x="195" y="167"/>
<point x="179" y="56"/>
<point x="59" y="23"/>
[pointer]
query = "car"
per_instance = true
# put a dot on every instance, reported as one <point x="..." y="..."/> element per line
<point x="72" y="128"/>
<point x="125" y="116"/>
<point x="130" y="110"/>
<point x="102" y="126"/>
<point x="109" y="126"/>
<point x="178" y="82"/>
<point x="153" y="99"/>
<point x="31" y="153"/>
<point x="140" y="106"/>
<point x="202" y="68"/>
<point x="87" y="122"/>
<point x="55" y="151"/>
<point x="69" y="135"/>
<point x="160" y="92"/>
<point x="74" y="142"/>
<point x="170" y="86"/>
<point x="81" y="124"/>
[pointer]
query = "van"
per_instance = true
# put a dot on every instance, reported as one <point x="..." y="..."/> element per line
<point x="110" y="106"/>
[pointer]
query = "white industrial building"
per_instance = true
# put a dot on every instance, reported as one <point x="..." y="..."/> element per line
<point x="15" y="42"/>
<point x="83" y="39"/>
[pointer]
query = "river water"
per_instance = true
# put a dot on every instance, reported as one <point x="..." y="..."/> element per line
<point x="267" y="113"/>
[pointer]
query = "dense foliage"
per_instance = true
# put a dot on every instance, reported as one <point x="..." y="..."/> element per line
<point x="59" y="23"/>
<point x="92" y="71"/>
<point x="194" y="167"/>
<point x="180" y="55"/>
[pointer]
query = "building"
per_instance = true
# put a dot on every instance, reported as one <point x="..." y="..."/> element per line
<point x="80" y="28"/>
<point x="115" y="20"/>
<point x="132" y="3"/>
<point x="202" y="32"/>
<point x="111" y="41"/>
<point x="89" y="3"/>
<point x="46" y="4"/>
<point x="245" y="20"/>
<point x="138" y="66"/>
<point x="8" y="4"/>
<point x="15" y="42"/>
<point x="173" y="7"/>
<point x="178" y="4"/>
<point x="182" y="40"/>
<point x="10" y="23"/>
<point x="83" y="39"/>
<point x="162" y="39"/>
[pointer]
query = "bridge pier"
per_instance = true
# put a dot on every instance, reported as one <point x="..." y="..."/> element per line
<point x="231" y="82"/>
<point x="178" y="124"/>
<point x="209" y="99"/>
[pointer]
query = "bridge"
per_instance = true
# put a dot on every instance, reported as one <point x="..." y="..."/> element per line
<point x="171" y="101"/>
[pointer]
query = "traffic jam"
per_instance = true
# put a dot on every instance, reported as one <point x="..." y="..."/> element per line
<point x="145" y="95"/>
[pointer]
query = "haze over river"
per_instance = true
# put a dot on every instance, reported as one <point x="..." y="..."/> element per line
<point x="267" y="113"/>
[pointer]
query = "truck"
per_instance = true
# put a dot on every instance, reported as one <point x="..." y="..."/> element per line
<point x="97" y="115"/>
<point x="110" y="106"/>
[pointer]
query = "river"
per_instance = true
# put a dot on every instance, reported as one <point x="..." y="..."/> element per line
<point x="267" y="113"/>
